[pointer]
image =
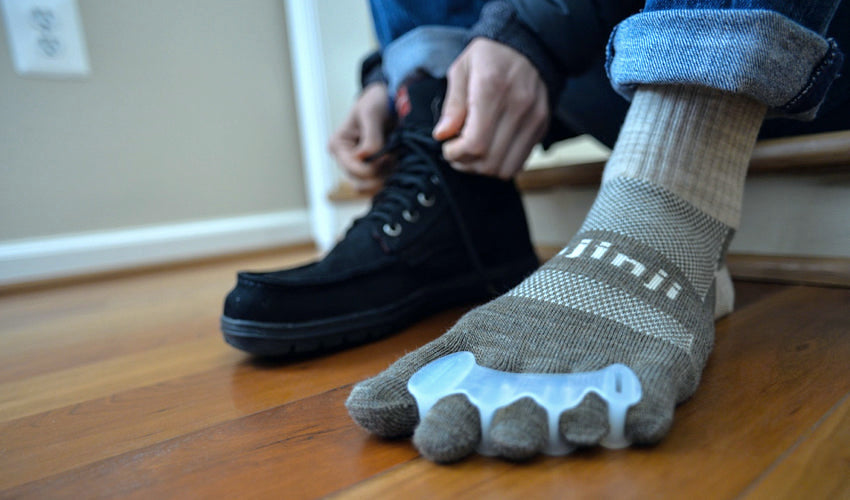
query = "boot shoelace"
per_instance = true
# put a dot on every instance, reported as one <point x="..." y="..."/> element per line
<point x="412" y="183"/>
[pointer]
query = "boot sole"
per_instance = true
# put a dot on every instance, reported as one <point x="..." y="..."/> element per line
<point x="330" y="334"/>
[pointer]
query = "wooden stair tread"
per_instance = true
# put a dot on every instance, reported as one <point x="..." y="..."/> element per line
<point x="816" y="153"/>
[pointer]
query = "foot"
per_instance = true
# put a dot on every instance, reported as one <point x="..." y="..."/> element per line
<point x="635" y="286"/>
<point x="434" y="238"/>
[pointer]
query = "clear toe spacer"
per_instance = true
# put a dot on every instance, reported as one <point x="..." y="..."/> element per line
<point x="490" y="390"/>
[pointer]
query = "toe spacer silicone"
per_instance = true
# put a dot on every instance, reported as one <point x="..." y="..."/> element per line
<point x="490" y="390"/>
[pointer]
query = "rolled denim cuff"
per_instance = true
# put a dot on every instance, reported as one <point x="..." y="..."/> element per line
<point x="758" y="53"/>
<point x="428" y="48"/>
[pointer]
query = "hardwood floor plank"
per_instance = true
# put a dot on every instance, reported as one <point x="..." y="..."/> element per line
<point x="778" y="366"/>
<point x="819" y="467"/>
<point x="42" y="393"/>
<point x="124" y="387"/>
<point x="57" y="329"/>
<point x="817" y="271"/>
<point x="749" y="292"/>
<point x="304" y="449"/>
<point x="94" y="429"/>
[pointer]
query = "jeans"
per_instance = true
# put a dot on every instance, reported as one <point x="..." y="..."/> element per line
<point x="394" y="18"/>
<point x="773" y="51"/>
<point x="776" y="52"/>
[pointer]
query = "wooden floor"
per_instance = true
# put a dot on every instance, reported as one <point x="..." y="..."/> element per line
<point x="123" y="387"/>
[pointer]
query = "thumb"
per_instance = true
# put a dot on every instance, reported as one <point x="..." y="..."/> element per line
<point x="454" y="109"/>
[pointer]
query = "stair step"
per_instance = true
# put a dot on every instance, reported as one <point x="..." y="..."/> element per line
<point x="824" y="153"/>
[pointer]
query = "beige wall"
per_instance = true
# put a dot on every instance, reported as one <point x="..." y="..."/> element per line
<point x="188" y="115"/>
<point x="347" y="36"/>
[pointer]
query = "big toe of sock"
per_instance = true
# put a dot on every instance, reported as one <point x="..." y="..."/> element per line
<point x="650" y="419"/>
<point x="382" y="406"/>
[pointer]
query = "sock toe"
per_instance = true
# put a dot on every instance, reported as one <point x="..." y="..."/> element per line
<point x="650" y="419"/>
<point x="450" y="431"/>
<point x="383" y="407"/>
<point x="587" y="423"/>
<point x="519" y="430"/>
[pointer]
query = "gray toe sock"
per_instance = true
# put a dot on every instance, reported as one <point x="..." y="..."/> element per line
<point x="518" y="430"/>
<point x="635" y="286"/>
<point x="609" y="297"/>
<point x="450" y="431"/>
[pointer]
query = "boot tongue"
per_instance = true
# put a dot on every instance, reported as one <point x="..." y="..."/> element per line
<point x="419" y="101"/>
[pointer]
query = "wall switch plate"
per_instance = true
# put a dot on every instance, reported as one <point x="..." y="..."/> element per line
<point x="46" y="38"/>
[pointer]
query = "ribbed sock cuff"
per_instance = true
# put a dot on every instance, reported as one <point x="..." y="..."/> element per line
<point x="694" y="141"/>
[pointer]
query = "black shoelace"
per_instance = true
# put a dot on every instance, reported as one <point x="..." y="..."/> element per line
<point x="413" y="179"/>
<point x="411" y="187"/>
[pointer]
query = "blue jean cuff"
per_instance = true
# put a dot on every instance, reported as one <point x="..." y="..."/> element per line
<point x="758" y="53"/>
<point x="428" y="48"/>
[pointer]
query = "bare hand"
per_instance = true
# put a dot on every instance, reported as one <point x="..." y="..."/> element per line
<point x="362" y="135"/>
<point x="496" y="110"/>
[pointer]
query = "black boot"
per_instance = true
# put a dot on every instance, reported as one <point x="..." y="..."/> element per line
<point x="434" y="238"/>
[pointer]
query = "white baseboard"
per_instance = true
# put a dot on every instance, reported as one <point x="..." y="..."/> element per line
<point x="72" y="254"/>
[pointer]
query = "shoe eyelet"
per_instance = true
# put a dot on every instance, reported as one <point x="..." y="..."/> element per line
<point x="410" y="216"/>
<point x="424" y="200"/>
<point x="393" y="230"/>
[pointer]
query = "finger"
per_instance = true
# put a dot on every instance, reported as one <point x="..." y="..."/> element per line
<point x="483" y="113"/>
<point x="520" y="149"/>
<point x="453" y="113"/>
<point x="371" y="138"/>
<point x="514" y="136"/>
<point x="507" y="131"/>
<point x="354" y="166"/>
<point x="343" y="147"/>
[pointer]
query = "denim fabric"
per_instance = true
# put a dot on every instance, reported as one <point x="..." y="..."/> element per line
<point x="394" y="18"/>
<point x="655" y="47"/>
<point x="765" y="54"/>
<point x="430" y="48"/>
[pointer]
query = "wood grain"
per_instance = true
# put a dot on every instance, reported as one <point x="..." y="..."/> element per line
<point x="305" y="449"/>
<point x="818" y="467"/>
<point x="823" y="153"/>
<point x="93" y="429"/>
<point x="832" y="271"/>
<point x="779" y="365"/>
<point x="124" y="388"/>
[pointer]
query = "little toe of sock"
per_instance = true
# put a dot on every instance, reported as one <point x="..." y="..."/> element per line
<point x="450" y="431"/>
<point x="383" y="406"/>
<point x="650" y="419"/>
<point x="519" y="431"/>
<point x="587" y="423"/>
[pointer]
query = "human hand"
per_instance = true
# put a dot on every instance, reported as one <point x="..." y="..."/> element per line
<point x="362" y="135"/>
<point x="496" y="109"/>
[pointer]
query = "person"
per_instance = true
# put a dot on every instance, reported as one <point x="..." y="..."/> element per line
<point x="638" y="284"/>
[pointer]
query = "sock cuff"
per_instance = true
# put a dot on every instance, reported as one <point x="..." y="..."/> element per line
<point x="693" y="141"/>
